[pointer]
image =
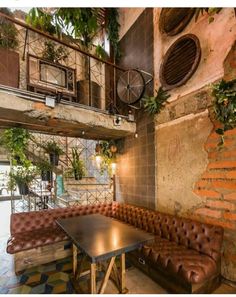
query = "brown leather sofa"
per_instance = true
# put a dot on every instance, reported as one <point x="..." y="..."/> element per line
<point x="185" y="257"/>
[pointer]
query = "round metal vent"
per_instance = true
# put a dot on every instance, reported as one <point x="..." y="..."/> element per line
<point x="180" y="61"/>
<point x="173" y="20"/>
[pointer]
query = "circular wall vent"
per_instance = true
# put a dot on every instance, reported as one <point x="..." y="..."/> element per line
<point x="173" y="20"/>
<point x="180" y="61"/>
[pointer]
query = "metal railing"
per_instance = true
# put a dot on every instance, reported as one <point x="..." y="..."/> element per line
<point x="74" y="77"/>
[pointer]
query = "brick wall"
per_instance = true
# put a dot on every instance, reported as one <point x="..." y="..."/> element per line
<point x="136" y="166"/>
<point x="217" y="189"/>
<point x="217" y="185"/>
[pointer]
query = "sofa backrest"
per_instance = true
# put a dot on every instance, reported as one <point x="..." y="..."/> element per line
<point x="204" y="238"/>
<point x="28" y="221"/>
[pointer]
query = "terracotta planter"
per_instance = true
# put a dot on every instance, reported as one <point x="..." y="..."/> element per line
<point x="9" y="68"/>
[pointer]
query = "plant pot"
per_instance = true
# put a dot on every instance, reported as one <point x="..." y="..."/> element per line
<point x="46" y="175"/>
<point x="54" y="159"/>
<point x="18" y="160"/>
<point x="23" y="188"/>
<point x="83" y="93"/>
<point x="10" y="68"/>
<point x="77" y="176"/>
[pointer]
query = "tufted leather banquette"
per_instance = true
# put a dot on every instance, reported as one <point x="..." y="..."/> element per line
<point x="186" y="252"/>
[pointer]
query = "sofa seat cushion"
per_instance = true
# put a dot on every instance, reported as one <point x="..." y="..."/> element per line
<point x="32" y="239"/>
<point x="187" y="264"/>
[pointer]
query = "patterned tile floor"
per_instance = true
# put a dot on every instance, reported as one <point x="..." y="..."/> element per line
<point x="54" y="278"/>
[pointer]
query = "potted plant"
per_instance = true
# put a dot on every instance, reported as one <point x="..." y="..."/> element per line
<point x="22" y="177"/>
<point x="46" y="170"/>
<point x="82" y="25"/>
<point x="9" y="59"/>
<point x="16" y="140"/>
<point x="78" y="167"/>
<point x="54" y="151"/>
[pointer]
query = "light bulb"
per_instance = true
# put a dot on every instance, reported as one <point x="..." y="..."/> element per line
<point x="98" y="160"/>
<point x="113" y="168"/>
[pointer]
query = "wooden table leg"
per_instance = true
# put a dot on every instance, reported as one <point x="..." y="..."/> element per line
<point x="75" y="260"/>
<point x="107" y="275"/>
<point x="123" y="289"/>
<point x="93" y="278"/>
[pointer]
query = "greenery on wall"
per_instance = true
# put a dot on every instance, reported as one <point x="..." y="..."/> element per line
<point x="8" y="31"/>
<point x="224" y="93"/>
<point x="81" y="24"/>
<point x="154" y="104"/>
<point x="113" y="30"/>
<point x="15" y="140"/>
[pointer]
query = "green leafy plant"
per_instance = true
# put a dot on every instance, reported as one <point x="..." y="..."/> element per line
<point x="53" y="53"/>
<point x="80" y="24"/>
<point x="113" y="30"/>
<point x="8" y="31"/>
<point x="53" y="147"/>
<point x="21" y="175"/>
<point x="224" y="105"/>
<point x="43" y="165"/>
<point x="16" y="140"/>
<point x="153" y="105"/>
<point x="211" y="11"/>
<point x="78" y="168"/>
<point x="108" y="156"/>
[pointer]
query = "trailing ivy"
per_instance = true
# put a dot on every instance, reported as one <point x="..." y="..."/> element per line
<point x="15" y="140"/>
<point x="113" y="30"/>
<point x="224" y="93"/>
<point x="153" y="105"/>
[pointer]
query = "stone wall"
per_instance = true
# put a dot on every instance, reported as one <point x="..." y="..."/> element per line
<point x="136" y="166"/>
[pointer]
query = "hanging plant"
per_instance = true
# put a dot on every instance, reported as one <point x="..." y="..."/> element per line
<point x="113" y="30"/>
<point x="54" y="151"/>
<point x="16" y="140"/>
<point x="153" y="105"/>
<point x="224" y="105"/>
<point x="107" y="150"/>
<point x="22" y="177"/>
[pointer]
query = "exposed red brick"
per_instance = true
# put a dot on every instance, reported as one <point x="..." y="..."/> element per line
<point x="227" y="225"/>
<point x="201" y="184"/>
<point x="230" y="216"/>
<point x="231" y="174"/>
<point x="214" y="175"/>
<point x="208" y="212"/>
<point x="221" y="204"/>
<point x="227" y="143"/>
<point x="224" y="184"/>
<point x="230" y="132"/>
<point x="207" y="193"/>
<point x="231" y="196"/>
<point x="222" y="164"/>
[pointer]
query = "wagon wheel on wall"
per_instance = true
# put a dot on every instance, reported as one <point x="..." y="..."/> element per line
<point x="130" y="86"/>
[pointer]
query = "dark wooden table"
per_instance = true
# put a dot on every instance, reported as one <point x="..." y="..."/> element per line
<point x="102" y="238"/>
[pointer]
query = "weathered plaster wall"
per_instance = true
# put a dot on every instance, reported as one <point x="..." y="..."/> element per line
<point x="216" y="40"/>
<point x="127" y="17"/>
<point x="187" y="183"/>
<point x="181" y="159"/>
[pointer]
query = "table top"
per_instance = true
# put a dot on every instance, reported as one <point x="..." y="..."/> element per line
<point x="102" y="237"/>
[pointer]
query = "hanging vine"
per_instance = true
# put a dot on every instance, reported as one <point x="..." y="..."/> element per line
<point x="224" y="93"/>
